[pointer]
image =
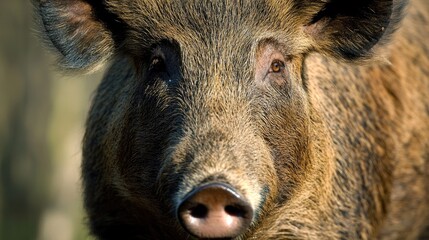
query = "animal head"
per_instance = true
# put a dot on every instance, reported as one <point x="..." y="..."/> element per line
<point x="203" y="99"/>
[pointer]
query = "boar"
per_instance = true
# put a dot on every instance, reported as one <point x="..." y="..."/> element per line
<point x="293" y="119"/>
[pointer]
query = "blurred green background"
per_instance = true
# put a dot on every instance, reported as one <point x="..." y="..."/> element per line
<point x="42" y="116"/>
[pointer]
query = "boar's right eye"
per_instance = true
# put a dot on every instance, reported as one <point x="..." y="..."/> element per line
<point x="157" y="65"/>
<point x="164" y="64"/>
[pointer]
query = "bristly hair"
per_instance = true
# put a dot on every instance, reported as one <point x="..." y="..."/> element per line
<point x="77" y="31"/>
<point x="350" y="30"/>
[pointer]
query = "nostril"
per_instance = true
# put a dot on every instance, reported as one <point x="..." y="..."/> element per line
<point x="236" y="211"/>
<point x="215" y="210"/>
<point x="199" y="211"/>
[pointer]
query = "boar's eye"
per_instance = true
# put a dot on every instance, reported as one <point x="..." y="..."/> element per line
<point x="277" y="66"/>
<point x="270" y="67"/>
<point x="157" y="65"/>
<point x="164" y="63"/>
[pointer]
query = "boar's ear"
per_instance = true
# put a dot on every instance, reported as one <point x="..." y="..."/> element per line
<point x="75" y="28"/>
<point x="349" y="29"/>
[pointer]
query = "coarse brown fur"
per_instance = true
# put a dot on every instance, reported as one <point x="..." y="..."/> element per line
<point x="335" y="147"/>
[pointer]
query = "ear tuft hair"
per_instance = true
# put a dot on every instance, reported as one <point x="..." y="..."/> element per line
<point x="350" y="29"/>
<point x="75" y="31"/>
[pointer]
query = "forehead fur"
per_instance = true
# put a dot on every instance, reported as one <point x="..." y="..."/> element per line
<point x="208" y="21"/>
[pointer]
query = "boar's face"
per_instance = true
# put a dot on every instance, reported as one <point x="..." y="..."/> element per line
<point x="204" y="99"/>
<point x="215" y="102"/>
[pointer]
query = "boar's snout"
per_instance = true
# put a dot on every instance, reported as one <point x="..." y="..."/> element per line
<point x="215" y="210"/>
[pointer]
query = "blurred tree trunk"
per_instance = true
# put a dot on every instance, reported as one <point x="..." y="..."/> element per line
<point x="25" y="85"/>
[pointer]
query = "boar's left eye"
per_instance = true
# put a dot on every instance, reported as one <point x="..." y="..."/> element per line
<point x="270" y="69"/>
<point x="277" y="66"/>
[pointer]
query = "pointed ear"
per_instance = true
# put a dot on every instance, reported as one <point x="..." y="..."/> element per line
<point x="76" y="30"/>
<point x="350" y="29"/>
